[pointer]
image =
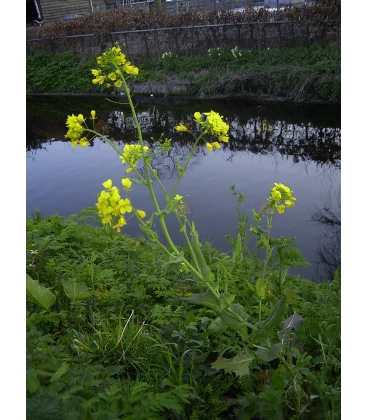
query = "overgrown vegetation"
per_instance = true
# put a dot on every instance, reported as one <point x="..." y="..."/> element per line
<point x="322" y="14"/>
<point x="300" y="73"/>
<point x="119" y="340"/>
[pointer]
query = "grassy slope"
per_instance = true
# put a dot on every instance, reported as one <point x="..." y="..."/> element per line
<point x="120" y="342"/>
<point x="293" y="74"/>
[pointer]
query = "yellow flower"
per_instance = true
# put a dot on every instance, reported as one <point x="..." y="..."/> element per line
<point x="118" y="83"/>
<point x="98" y="80"/>
<point x="107" y="184"/>
<point x="129" y="170"/>
<point x="75" y="128"/>
<point x="83" y="142"/>
<point x="209" y="147"/>
<point x="224" y="139"/>
<point x="96" y="72"/>
<point x="93" y="114"/>
<point x="216" y="126"/>
<point x="141" y="213"/>
<point x="198" y="116"/>
<point x="178" y="197"/>
<point x="181" y="127"/>
<point x="112" y="76"/>
<point x="281" y="198"/>
<point x="125" y="206"/>
<point x="120" y="223"/>
<point x="214" y="145"/>
<point x="127" y="183"/>
<point x="276" y="195"/>
<point x="129" y="69"/>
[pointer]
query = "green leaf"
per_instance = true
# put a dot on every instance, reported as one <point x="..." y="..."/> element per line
<point x="32" y="383"/>
<point x="292" y="257"/>
<point x="205" y="270"/>
<point x="238" y="364"/>
<point x="226" y="301"/>
<point x="216" y="326"/>
<point x="238" y="308"/>
<point x="151" y="235"/>
<point x="261" y="288"/>
<point x="271" y="353"/>
<point x="237" y="254"/>
<point x="175" y="259"/>
<point x="230" y="321"/>
<point x="75" y="290"/>
<point x="39" y="294"/>
<point x="272" y="321"/>
<point x="292" y="322"/>
<point x="204" y="299"/>
<point x="256" y="216"/>
<point x="60" y="372"/>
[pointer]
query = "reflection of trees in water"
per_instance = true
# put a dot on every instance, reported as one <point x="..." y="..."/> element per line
<point x="31" y="150"/>
<point x="302" y="142"/>
<point x="328" y="250"/>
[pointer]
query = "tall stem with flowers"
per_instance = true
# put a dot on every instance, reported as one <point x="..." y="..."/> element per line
<point x="114" y="71"/>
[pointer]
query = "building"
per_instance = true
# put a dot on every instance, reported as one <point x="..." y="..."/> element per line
<point x="48" y="10"/>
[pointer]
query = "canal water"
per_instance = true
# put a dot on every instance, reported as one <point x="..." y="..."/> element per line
<point x="297" y="145"/>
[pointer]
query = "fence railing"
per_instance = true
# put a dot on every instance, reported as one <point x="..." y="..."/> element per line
<point x="178" y="6"/>
<point x="251" y="36"/>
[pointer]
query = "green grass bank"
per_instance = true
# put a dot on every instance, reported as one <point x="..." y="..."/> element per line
<point x="112" y="334"/>
<point x="298" y="74"/>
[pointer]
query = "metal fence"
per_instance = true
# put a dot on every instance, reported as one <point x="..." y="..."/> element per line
<point x="179" y="6"/>
<point x="194" y="40"/>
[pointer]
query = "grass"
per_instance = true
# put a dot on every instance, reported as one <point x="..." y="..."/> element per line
<point x="300" y="73"/>
<point x="121" y="341"/>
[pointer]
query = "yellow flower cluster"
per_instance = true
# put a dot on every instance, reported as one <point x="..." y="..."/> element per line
<point x="214" y="145"/>
<point x="111" y="207"/>
<point x="281" y="197"/>
<point x="75" y="127"/>
<point x="131" y="153"/>
<point x="108" y="72"/>
<point x="214" y="124"/>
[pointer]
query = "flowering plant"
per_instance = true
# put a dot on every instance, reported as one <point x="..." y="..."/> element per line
<point x="113" y="209"/>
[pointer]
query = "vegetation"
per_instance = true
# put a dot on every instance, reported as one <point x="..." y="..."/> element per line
<point x="136" y="19"/>
<point x="121" y="327"/>
<point x="294" y="74"/>
<point x="121" y="341"/>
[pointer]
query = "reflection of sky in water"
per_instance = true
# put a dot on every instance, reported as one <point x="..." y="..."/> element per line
<point x="64" y="180"/>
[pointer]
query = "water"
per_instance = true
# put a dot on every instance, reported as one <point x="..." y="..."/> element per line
<point x="299" y="146"/>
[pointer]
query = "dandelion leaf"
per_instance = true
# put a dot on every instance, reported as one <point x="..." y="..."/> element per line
<point x="238" y="364"/>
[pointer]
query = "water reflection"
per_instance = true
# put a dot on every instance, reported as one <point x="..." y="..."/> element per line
<point x="301" y="142"/>
<point x="293" y="145"/>
<point x="328" y="242"/>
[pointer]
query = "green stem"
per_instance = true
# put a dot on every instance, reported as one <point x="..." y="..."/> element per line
<point x="247" y="242"/>
<point x="192" y="253"/>
<point x="146" y="167"/>
<point x="158" y="181"/>
<point x="268" y="254"/>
